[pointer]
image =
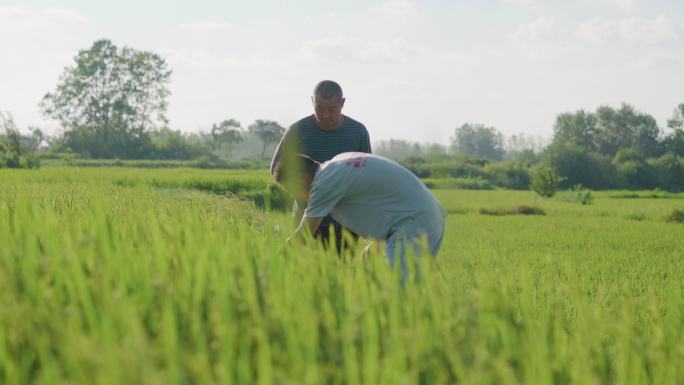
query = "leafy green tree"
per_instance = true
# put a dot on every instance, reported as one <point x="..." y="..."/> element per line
<point x="478" y="140"/>
<point x="580" y="166"/>
<point x="11" y="133"/>
<point x="633" y="169"/>
<point x="173" y="144"/>
<point x="227" y="132"/>
<point x="669" y="170"/>
<point x="13" y="150"/>
<point x="268" y="132"/>
<point x="109" y="99"/>
<point x="545" y="180"/>
<point x="674" y="141"/>
<point x="576" y="129"/>
<point x="626" y="128"/>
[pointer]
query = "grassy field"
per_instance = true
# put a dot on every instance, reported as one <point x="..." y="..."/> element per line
<point x="135" y="276"/>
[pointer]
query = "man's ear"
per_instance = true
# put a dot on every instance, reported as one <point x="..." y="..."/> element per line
<point x="342" y="102"/>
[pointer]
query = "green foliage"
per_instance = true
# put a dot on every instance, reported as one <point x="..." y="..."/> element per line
<point x="676" y="216"/>
<point x="517" y="210"/>
<point x="268" y="132"/>
<point x="273" y="197"/>
<point x="128" y="283"/>
<point x="420" y="166"/>
<point x="227" y="132"/>
<point x="458" y="183"/>
<point x="579" y="166"/>
<point x="176" y="145"/>
<point x="633" y="170"/>
<point x="400" y="150"/>
<point x="13" y="152"/>
<point x="578" y="194"/>
<point x="669" y="172"/>
<point x="545" y="180"/>
<point x="509" y="175"/>
<point x="109" y="100"/>
<point x="576" y="129"/>
<point x="478" y="140"/>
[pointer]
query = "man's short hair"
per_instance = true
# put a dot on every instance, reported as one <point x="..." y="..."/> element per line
<point x="328" y="89"/>
<point x="299" y="164"/>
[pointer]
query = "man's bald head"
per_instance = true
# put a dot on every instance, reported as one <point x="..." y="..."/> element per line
<point x="328" y="89"/>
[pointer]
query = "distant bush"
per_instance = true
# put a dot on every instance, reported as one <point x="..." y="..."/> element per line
<point x="545" y="180"/>
<point x="578" y="194"/>
<point x="668" y="172"/>
<point x="676" y="216"/>
<point x="633" y="170"/>
<point x="510" y="175"/>
<point x="10" y="159"/>
<point x="518" y="210"/>
<point x="419" y="166"/>
<point x="459" y="183"/>
<point x="579" y="166"/>
<point x="203" y="163"/>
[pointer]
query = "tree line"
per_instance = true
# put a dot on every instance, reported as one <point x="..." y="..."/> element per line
<point x="112" y="103"/>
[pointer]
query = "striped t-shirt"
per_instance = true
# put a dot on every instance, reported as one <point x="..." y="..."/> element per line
<point x="321" y="145"/>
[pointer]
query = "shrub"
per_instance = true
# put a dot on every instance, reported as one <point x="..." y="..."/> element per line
<point x="545" y="180"/>
<point x="510" y="175"/>
<point x="419" y="166"/>
<point x="579" y="194"/>
<point x="676" y="216"/>
<point x="459" y="183"/>
<point x="669" y="172"/>
<point x="518" y="210"/>
<point x="579" y="166"/>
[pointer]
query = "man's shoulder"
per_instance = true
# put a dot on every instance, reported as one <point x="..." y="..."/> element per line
<point x="354" y="124"/>
<point x="303" y="123"/>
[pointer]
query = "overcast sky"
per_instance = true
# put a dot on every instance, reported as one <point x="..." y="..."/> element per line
<point x="410" y="69"/>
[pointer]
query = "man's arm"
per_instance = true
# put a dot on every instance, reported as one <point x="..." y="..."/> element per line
<point x="283" y="145"/>
<point x="366" y="145"/>
<point x="307" y="225"/>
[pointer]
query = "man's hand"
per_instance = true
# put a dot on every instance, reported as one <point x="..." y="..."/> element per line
<point x="307" y="225"/>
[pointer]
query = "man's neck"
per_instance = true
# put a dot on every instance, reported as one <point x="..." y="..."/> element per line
<point x="338" y="125"/>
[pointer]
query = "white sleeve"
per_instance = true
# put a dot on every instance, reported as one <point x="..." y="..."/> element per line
<point x="327" y="189"/>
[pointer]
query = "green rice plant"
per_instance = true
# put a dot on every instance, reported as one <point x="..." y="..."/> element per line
<point x="130" y="283"/>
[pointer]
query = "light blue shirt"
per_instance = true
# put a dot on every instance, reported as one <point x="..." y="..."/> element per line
<point x="375" y="197"/>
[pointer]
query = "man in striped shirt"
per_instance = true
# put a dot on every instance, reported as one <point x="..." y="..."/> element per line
<point x="321" y="136"/>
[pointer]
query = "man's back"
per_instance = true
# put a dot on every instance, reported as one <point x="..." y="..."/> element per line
<point x="374" y="196"/>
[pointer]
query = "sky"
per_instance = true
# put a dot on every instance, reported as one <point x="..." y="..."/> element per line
<point x="411" y="70"/>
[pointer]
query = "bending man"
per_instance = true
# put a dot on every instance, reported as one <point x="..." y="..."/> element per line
<point x="368" y="194"/>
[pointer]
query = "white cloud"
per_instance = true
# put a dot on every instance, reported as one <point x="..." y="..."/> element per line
<point x="349" y="50"/>
<point x="539" y="29"/>
<point x="597" y="31"/>
<point x="659" y="59"/>
<point x="630" y="30"/>
<point x="29" y="18"/>
<point x="626" y="5"/>
<point x="649" y="32"/>
<point x="65" y="15"/>
<point x="396" y="9"/>
<point x="205" y="26"/>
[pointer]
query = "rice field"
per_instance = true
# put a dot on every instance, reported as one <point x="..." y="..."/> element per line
<point x="172" y="276"/>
